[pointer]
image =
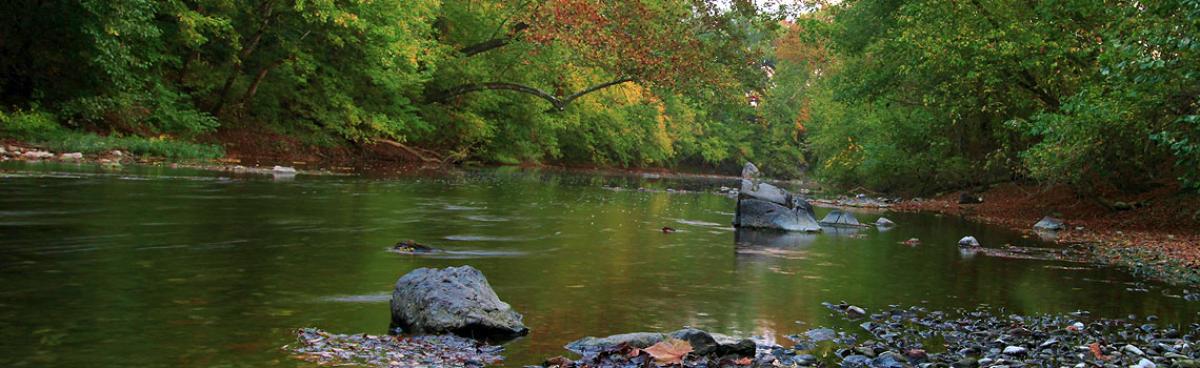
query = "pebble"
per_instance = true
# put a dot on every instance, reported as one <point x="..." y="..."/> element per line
<point x="284" y="169"/>
<point x="1133" y="350"/>
<point x="855" y="311"/>
<point x="1014" y="350"/>
<point x="1144" y="363"/>
<point x="73" y="156"/>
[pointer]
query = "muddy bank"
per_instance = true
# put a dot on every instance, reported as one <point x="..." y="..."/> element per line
<point x="1157" y="234"/>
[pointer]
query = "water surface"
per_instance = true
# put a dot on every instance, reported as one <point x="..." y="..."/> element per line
<point x="159" y="267"/>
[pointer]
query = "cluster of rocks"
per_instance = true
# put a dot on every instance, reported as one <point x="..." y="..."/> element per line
<point x="916" y="337"/>
<point x="861" y="201"/>
<point x="324" y="348"/>
<point x="18" y="153"/>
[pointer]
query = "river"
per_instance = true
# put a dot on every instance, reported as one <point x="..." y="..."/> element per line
<point x="151" y="266"/>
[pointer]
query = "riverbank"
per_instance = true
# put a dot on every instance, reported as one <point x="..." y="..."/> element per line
<point x="1156" y="234"/>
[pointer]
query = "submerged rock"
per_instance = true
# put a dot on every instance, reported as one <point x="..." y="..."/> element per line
<point x="412" y="247"/>
<point x="840" y="218"/>
<point x="1049" y="224"/>
<point x="283" y="170"/>
<point x="456" y="300"/>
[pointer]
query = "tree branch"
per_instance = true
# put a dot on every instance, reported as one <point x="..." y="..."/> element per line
<point x="560" y="103"/>
<point x="494" y="43"/>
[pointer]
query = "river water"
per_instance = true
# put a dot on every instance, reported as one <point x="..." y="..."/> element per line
<point x="184" y="268"/>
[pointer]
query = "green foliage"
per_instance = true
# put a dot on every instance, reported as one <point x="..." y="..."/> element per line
<point x="920" y="96"/>
<point x="43" y="128"/>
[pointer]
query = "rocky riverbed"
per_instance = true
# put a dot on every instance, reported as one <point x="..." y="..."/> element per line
<point x="902" y="337"/>
<point x="896" y="337"/>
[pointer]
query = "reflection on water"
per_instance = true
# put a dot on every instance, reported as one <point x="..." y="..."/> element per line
<point x="194" y="269"/>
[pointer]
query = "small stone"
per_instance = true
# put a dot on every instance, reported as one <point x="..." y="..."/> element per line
<point x="1133" y="350"/>
<point x="1014" y="350"/>
<point x="855" y="311"/>
<point x="821" y="334"/>
<point x="968" y="241"/>
<point x="117" y="153"/>
<point x="804" y="360"/>
<point x="854" y="361"/>
<point x="1144" y="363"/>
<point x="884" y="222"/>
<point x="73" y="156"/>
<point x="1049" y="223"/>
<point x="966" y="362"/>
<point x="283" y="169"/>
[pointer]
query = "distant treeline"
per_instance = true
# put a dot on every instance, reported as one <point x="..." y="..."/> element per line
<point x="919" y="96"/>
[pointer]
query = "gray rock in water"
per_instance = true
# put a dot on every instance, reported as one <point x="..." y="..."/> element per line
<point x="455" y="300"/>
<point x="968" y="241"/>
<point x="755" y="213"/>
<point x="702" y="342"/>
<point x="1049" y="223"/>
<point x="595" y="344"/>
<point x="840" y="218"/>
<point x="884" y="222"/>
<point x="762" y="205"/>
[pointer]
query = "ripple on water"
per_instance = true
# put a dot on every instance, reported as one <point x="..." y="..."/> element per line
<point x="488" y="218"/>
<point x="451" y="207"/>
<point x="482" y="238"/>
<point x="365" y="298"/>
<point x="697" y="223"/>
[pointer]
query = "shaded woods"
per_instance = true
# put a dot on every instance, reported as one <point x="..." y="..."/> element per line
<point x="901" y="96"/>
<point x="640" y="83"/>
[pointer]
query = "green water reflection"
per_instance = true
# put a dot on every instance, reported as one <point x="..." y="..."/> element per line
<point x="157" y="267"/>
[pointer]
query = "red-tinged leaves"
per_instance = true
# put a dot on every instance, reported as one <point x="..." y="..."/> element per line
<point x="669" y="352"/>
<point x="1095" y="348"/>
<point x="744" y="361"/>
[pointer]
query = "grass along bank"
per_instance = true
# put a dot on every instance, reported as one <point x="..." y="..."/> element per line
<point x="41" y="130"/>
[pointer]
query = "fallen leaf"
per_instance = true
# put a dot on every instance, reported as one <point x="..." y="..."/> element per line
<point x="669" y="351"/>
<point x="1095" y="348"/>
<point x="744" y="361"/>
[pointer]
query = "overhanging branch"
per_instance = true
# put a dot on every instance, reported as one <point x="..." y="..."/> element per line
<point x="560" y="103"/>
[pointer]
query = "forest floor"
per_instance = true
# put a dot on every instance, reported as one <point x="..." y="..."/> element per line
<point x="1158" y="238"/>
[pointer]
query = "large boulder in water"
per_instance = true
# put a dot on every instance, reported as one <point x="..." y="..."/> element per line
<point x="840" y="218"/>
<point x="756" y="213"/>
<point x="455" y="300"/>
<point x="762" y="205"/>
